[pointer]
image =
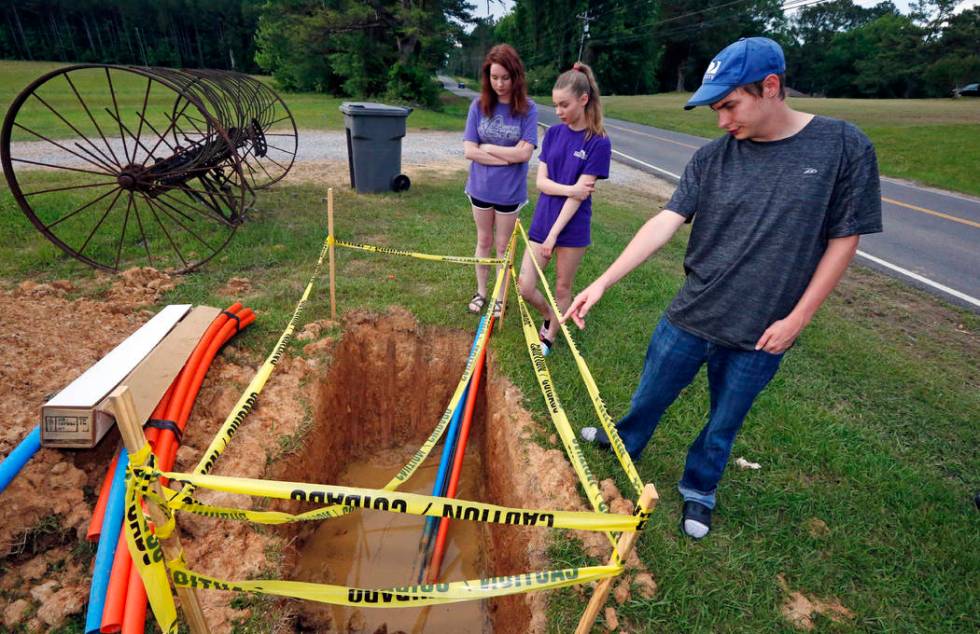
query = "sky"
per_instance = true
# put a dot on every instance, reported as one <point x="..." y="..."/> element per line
<point x="499" y="8"/>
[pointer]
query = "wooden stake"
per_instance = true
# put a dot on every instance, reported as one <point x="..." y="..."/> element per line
<point x="648" y="500"/>
<point x="508" y="265"/>
<point x="333" y="292"/>
<point x="132" y="433"/>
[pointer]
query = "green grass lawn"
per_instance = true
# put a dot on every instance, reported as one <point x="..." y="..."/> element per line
<point x="933" y="141"/>
<point x="310" y="110"/>
<point x="870" y="427"/>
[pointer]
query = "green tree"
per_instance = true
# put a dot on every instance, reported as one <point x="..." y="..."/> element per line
<point x="898" y="60"/>
<point x="693" y="31"/>
<point x="549" y="36"/>
<point x="179" y="33"/>
<point x="810" y="34"/>
<point x="379" y="47"/>
<point x="956" y="55"/>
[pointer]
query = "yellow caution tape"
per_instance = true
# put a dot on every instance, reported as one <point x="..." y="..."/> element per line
<point x="557" y="412"/>
<point x="423" y="452"/>
<point x="251" y="395"/>
<point x="391" y="501"/>
<point x="455" y="259"/>
<point x="555" y="409"/>
<point x="144" y="546"/>
<point x="401" y="596"/>
<point x="590" y="385"/>
<point x="148" y="555"/>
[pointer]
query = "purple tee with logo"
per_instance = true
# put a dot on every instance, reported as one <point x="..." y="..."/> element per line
<point x="500" y="184"/>
<point x="568" y="155"/>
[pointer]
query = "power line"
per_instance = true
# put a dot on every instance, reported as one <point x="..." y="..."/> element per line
<point x="790" y="5"/>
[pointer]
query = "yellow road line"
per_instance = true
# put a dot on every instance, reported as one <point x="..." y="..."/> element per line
<point x="652" y="136"/>
<point x="938" y="214"/>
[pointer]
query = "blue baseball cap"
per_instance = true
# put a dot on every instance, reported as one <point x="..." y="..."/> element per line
<point x="748" y="60"/>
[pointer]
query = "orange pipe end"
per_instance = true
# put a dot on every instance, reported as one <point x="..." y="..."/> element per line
<point x="95" y="524"/>
<point x="115" y="598"/>
<point x="134" y="621"/>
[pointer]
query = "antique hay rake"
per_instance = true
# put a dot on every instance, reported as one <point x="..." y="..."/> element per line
<point x="123" y="166"/>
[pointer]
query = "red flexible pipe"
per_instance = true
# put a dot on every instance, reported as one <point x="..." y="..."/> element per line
<point x="182" y="409"/>
<point x="95" y="524"/>
<point x="464" y="433"/>
<point x="116" y="597"/>
<point x="221" y="331"/>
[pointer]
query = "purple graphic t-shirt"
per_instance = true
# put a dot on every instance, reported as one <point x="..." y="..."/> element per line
<point x="568" y="155"/>
<point x="500" y="184"/>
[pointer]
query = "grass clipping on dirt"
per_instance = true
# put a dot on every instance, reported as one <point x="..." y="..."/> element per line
<point x="868" y="433"/>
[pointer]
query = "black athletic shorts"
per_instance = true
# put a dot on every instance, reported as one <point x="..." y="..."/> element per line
<point x="501" y="209"/>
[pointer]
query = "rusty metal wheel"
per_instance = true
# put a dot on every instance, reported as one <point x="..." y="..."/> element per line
<point x="120" y="166"/>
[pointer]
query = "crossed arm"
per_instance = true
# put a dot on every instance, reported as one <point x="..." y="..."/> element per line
<point x="574" y="195"/>
<point x="489" y="154"/>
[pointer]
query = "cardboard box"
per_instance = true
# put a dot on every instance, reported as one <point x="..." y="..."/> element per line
<point x="71" y="419"/>
<point x="151" y="378"/>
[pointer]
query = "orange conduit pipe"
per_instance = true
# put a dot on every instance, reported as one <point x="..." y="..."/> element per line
<point x="132" y="617"/>
<point x="115" y="599"/>
<point x="95" y="524"/>
<point x="114" y="620"/>
<point x="167" y="448"/>
<point x="464" y="433"/>
<point x="116" y="596"/>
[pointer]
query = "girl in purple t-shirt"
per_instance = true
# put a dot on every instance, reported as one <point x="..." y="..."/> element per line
<point x="573" y="156"/>
<point x="501" y="134"/>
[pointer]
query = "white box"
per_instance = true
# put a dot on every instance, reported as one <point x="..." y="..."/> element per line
<point x="70" y="418"/>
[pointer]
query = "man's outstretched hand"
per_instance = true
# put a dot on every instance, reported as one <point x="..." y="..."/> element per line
<point x="582" y="303"/>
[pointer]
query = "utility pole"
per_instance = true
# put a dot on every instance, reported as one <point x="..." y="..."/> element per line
<point x="585" y="18"/>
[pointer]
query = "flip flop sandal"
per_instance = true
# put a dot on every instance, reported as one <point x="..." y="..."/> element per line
<point x="476" y="304"/>
<point x="497" y="307"/>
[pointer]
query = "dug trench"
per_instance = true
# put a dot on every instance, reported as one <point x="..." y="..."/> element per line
<point x="351" y="409"/>
<point x="385" y="389"/>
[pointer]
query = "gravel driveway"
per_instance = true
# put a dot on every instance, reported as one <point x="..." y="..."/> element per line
<point x="420" y="149"/>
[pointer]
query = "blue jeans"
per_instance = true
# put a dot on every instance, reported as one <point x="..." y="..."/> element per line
<point x="735" y="378"/>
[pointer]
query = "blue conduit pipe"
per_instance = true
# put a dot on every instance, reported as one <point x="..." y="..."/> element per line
<point x="446" y="460"/>
<point x="111" y="526"/>
<point x="23" y="452"/>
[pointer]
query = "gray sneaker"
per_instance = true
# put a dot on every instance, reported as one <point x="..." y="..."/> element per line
<point x="596" y="435"/>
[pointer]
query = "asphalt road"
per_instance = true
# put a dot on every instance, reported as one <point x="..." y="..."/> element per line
<point x="931" y="238"/>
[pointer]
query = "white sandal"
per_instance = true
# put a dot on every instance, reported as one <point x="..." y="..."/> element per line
<point x="476" y="304"/>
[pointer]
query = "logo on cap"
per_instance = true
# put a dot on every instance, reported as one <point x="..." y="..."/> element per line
<point x="713" y="68"/>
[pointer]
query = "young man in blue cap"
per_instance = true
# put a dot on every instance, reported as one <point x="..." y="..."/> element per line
<point x="777" y="205"/>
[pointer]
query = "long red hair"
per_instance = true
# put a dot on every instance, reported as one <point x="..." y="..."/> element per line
<point x="506" y="56"/>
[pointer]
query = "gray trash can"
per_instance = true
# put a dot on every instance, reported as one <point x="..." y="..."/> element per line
<point x="374" y="146"/>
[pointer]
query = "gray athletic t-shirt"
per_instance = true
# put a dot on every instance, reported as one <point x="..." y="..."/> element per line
<point x="762" y="215"/>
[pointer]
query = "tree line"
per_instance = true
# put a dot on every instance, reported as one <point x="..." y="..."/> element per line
<point x="174" y="33"/>
<point x="391" y="48"/>
<point x="834" y="48"/>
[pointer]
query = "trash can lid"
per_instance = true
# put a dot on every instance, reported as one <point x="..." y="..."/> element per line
<point x="356" y="108"/>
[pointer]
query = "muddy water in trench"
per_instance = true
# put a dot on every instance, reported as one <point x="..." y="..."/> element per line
<point x="373" y="549"/>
